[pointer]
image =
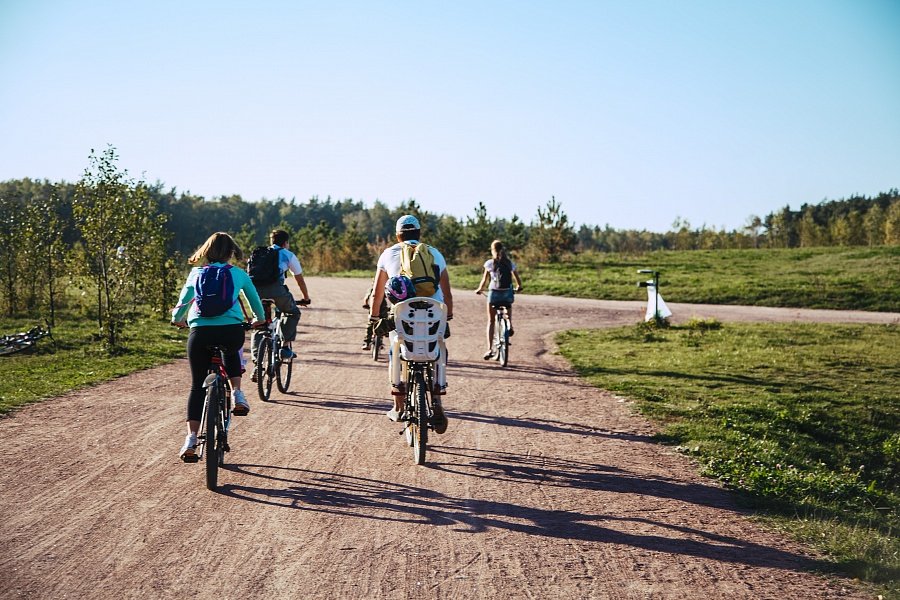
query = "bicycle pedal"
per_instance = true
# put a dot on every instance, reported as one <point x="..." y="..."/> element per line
<point x="191" y="459"/>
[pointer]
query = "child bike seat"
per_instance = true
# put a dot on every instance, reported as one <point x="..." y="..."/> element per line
<point x="420" y="322"/>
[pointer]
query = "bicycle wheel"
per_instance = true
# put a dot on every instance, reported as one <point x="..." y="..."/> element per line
<point x="283" y="369"/>
<point x="496" y="341"/>
<point x="264" y="370"/>
<point x="419" y="423"/>
<point x="213" y="446"/>
<point x="503" y="338"/>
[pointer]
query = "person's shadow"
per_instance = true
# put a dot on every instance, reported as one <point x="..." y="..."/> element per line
<point x="358" y="497"/>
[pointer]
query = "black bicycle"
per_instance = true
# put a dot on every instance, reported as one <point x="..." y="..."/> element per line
<point x="377" y="345"/>
<point x="500" y="344"/>
<point x="270" y="365"/>
<point x="24" y="340"/>
<point x="419" y="407"/>
<point x="212" y="439"/>
<point x="420" y="324"/>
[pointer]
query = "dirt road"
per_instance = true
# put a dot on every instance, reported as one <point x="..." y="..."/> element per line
<point x="542" y="487"/>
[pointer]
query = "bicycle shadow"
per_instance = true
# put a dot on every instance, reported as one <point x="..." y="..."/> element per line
<point x="549" y="426"/>
<point x="359" y="497"/>
<point x="550" y="471"/>
<point x="334" y="402"/>
<point x="376" y="405"/>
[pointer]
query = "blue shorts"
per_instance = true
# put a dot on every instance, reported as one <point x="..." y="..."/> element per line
<point x="501" y="296"/>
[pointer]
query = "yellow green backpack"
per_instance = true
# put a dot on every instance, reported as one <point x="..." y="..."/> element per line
<point x="417" y="263"/>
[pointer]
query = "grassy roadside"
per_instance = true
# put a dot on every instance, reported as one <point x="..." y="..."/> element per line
<point x="72" y="359"/>
<point x="802" y="419"/>
<point x="836" y="278"/>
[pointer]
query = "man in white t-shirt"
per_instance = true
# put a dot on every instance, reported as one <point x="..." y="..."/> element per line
<point x="408" y="231"/>
<point x="278" y="291"/>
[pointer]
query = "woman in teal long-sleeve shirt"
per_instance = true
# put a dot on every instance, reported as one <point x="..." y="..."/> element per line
<point x="225" y="330"/>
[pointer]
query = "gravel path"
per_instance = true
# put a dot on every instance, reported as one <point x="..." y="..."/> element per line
<point x="542" y="487"/>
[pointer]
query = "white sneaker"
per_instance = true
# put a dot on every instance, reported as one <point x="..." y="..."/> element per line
<point x="241" y="406"/>
<point x="394" y="415"/>
<point x="189" y="450"/>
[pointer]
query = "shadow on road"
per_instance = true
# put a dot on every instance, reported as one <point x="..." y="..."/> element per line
<point x="341" y="402"/>
<point x="301" y="489"/>
<point x="376" y="405"/>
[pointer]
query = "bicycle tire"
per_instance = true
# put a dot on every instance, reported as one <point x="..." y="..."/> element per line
<point x="409" y="410"/>
<point x="420" y="422"/>
<point x="503" y="350"/>
<point x="263" y="371"/>
<point x="376" y="347"/>
<point x="212" y="444"/>
<point x="496" y="340"/>
<point x="283" y="370"/>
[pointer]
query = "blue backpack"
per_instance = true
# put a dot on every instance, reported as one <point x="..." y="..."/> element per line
<point x="214" y="290"/>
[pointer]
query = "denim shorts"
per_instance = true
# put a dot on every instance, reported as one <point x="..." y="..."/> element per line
<point x="501" y="296"/>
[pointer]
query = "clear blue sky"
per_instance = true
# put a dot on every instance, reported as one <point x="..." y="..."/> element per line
<point x="630" y="113"/>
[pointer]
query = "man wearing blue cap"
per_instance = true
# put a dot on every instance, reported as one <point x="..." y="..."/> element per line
<point x="408" y="231"/>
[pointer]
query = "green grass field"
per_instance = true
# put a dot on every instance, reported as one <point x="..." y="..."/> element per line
<point x="836" y="278"/>
<point x="74" y="359"/>
<point x="803" y="420"/>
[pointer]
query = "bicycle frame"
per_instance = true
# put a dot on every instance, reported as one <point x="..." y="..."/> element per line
<point x="377" y="345"/>
<point x="216" y="419"/>
<point x="418" y="406"/>
<point x="269" y="364"/>
<point x="501" y="334"/>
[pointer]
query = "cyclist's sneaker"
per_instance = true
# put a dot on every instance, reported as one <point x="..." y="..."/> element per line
<point x="367" y="345"/>
<point x="488" y="355"/>
<point x="394" y="415"/>
<point x="189" y="450"/>
<point x="287" y="354"/>
<point x="241" y="406"/>
<point x="439" y="420"/>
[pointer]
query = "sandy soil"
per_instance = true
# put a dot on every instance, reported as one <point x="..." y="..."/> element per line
<point x="542" y="487"/>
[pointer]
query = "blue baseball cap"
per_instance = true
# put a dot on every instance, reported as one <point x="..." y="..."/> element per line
<point x="407" y="222"/>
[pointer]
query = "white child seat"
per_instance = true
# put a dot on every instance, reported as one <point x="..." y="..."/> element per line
<point x="420" y="323"/>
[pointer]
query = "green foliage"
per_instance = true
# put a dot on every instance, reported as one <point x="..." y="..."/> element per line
<point x="552" y="237"/>
<point x="480" y="231"/>
<point x="247" y="239"/>
<point x="353" y="250"/>
<point x="832" y="278"/>
<point x="514" y="235"/>
<point x="315" y="247"/>
<point x="72" y="359"/>
<point x="448" y="237"/>
<point x="855" y="221"/>
<point x="771" y="411"/>
<point x="10" y="217"/>
<point x="124" y="242"/>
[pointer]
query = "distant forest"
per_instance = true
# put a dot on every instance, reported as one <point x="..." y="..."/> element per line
<point x="115" y="247"/>
<point x="360" y="230"/>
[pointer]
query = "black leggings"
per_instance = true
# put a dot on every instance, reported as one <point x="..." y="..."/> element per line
<point x="199" y="355"/>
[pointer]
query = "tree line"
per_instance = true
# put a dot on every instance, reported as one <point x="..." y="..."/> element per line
<point x="115" y="247"/>
<point x="855" y="221"/>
